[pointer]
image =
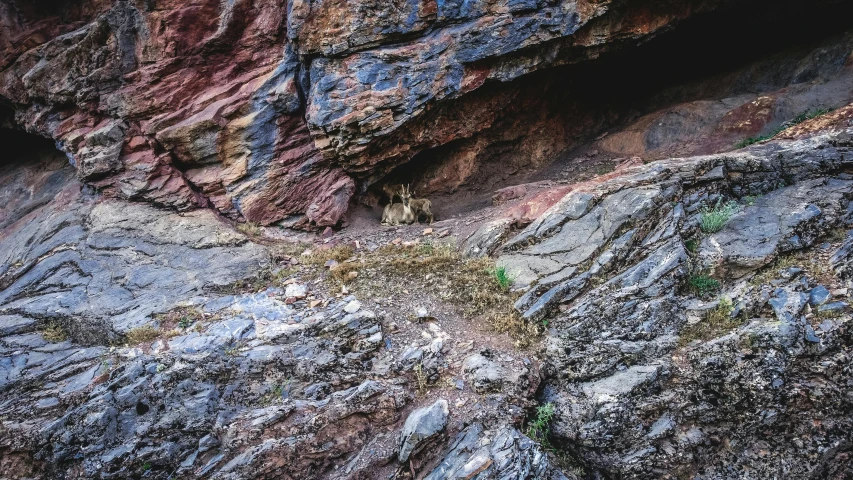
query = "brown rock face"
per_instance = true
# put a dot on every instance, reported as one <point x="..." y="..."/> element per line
<point x="265" y="110"/>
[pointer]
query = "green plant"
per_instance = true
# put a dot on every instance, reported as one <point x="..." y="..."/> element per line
<point x="502" y="277"/>
<point x="802" y="117"/>
<point x="749" y="200"/>
<point x="540" y="426"/>
<point x="691" y="245"/>
<point x="146" y="466"/>
<point x="703" y="285"/>
<point x="714" y="219"/>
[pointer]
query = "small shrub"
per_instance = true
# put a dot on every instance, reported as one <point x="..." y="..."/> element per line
<point x="54" y="333"/>
<point x="802" y="117"/>
<point x="753" y="140"/>
<point x="703" y="285"/>
<point x="502" y="277"/>
<point x="718" y="322"/>
<point x="140" y="335"/>
<point x="540" y="426"/>
<point x="713" y="220"/>
<point x="749" y="200"/>
<point x="691" y="245"/>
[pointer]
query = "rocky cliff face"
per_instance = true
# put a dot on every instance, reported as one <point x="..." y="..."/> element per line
<point x="264" y="110"/>
<point x="660" y="286"/>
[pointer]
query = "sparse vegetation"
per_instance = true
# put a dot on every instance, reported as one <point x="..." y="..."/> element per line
<point x="713" y="220"/>
<point x="691" y="245"/>
<point x="703" y="285"/>
<point x="250" y="229"/>
<point x="749" y="200"/>
<point x="141" y="335"/>
<point x="338" y="253"/>
<point x="421" y="377"/>
<point x="540" y="426"/>
<point x="802" y="117"/>
<point x="718" y="321"/>
<point x="54" y="333"/>
<point x="436" y="268"/>
<point x="827" y="314"/>
<point x="277" y="392"/>
<point x="816" y="267"/>
<point x="266" y="277"/>
<point x="180" y="317"/>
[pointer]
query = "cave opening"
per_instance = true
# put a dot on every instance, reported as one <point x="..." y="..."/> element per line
<point x="32" y="172"/>
<point x="583" y="118"/>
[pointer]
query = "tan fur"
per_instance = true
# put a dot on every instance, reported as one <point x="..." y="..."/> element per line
<point x="398" y="213"/>
<point x="422" y="206"/>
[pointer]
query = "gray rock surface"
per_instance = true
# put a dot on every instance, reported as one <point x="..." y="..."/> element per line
<point x="421" y="426"/>
<point x="643" y="384"/>
<point x="503" y="453"/>
<point x="104" y="268"/>
<point x="483" y="374"/>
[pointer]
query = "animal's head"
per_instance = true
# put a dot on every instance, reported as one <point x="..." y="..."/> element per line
<point x="405" y="194"/>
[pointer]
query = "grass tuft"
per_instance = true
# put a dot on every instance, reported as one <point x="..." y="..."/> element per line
<point x="502" y="277"/>
<point x="713" y="220"/>
<point x="338" y="253"/>
<point x="718" y="322"/>
<point x="141" y="335"/>
<point x="250" y="229"/>
<point x="703" y="285"/>
<point x="54" y="333"/>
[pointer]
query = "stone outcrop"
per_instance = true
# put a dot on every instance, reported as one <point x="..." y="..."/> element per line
<point x="274" y="112"/>
<point x="144" y="337"/>
<point x="638" y="392"/>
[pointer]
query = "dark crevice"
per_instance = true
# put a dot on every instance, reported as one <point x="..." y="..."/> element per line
<point x="744" y="50"/>
<point x="28" y="161"/>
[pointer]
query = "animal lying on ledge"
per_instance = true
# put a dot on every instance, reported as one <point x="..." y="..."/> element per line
<point x="421" y="207"/>
<point x="397" y="213"/>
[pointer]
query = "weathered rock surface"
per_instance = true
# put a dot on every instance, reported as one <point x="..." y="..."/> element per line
<point x="422" y="426"/>
<point x="103" y="268"/>
<point x="611" y="267"/>
<point x="275" y="112"/>
<point x="270" y="112"/>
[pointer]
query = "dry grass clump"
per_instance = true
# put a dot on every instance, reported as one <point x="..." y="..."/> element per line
<point x="718" y="321"/>
<point x="266" y="277"/>
<point x="54" y="333"/>
<point x="338" y="253"/>
<point x="180" y="318"/>
<point x="473" y="284"/>
<point x="143" y="334"/>
<point x="250" y="229"/>
<point x="819" y="269"/>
